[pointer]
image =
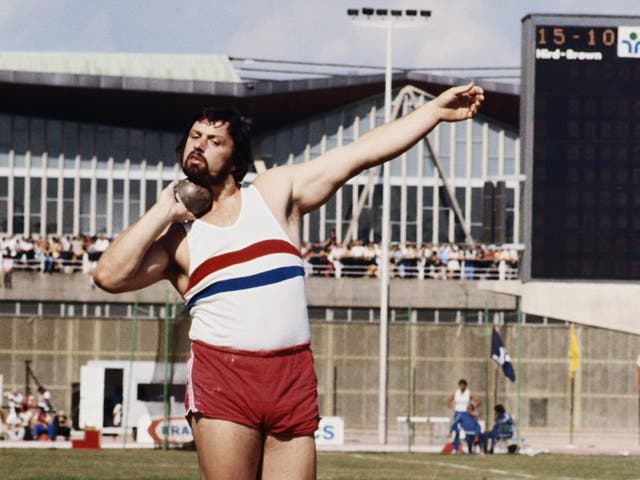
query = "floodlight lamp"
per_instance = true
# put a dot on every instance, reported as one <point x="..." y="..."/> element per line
<point x="396" y="13"/>
<point x="425" y="13"/>
<point x="382" y="12"/>
<point x="367" y="11"/>
<point x="411" y="13"/>
<point x="352" y="12"/>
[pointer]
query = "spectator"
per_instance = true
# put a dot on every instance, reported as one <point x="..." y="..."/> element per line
<point x="61" y="426"/>
<point x="44" y="399"/>
<point x="14" y="399"/>
<point x="7" y="269"/>
<point x="467" y="422"/>
<point x="459" y="402"/>
<point x="502" y="428"/>
<point x="41" y="425"/>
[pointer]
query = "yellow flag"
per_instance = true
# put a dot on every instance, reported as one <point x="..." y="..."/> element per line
<point x="573" y="352"/>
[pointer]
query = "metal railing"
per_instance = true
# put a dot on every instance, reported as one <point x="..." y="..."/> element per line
<point x="360" y="268"/>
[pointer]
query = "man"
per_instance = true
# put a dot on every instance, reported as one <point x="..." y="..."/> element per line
<point x="468" y="423"/>
<point x="459" y="401"/>
<point x="252" y="392"/>
<point x="502" y="428"/>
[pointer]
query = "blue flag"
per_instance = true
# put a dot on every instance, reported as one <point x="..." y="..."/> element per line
<point x="501" y="356"/>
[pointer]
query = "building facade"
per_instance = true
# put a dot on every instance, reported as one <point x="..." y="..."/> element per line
<point x="65" y="175"/>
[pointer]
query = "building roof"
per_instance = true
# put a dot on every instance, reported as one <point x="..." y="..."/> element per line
<point x="194" y="67"/>
<point x="152" y="98"/>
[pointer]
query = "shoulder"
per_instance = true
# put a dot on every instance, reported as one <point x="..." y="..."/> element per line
<point x="275" y="187"/>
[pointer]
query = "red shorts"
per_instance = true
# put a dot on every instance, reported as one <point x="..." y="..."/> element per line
<point x="275" y="392"/>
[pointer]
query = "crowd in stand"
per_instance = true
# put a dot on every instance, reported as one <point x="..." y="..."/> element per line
<point x="69" y="253"/>
<point x="78" y="253"/>
<point x="443" y="261"/>
<point x="33" y="418"/>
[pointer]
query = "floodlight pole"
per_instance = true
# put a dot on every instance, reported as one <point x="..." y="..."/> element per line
<point x="383" y="19"/>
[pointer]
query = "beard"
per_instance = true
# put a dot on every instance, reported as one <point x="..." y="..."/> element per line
<point x="196" y="169"/>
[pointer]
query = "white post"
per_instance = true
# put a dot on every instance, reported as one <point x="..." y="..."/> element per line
<point x="384" y="267"/>
<point x="388" y="20"/>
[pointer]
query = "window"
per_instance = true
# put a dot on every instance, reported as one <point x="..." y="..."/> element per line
<point x="152" y="148"/>
<point x="52" y="205"/>
<point x="101" y="205"/>
<point x="120" y="147"/>
<point x="37" y="141"/>
<point x="347" y="208"/>
<point x="299" y="143"/>
<point x="18" y="205"/>
<point x="461" y="149"/>
<point x="510" y="142"/>
<point x="316" y="132"/>
<point x="330" y="215"/>
<point x="35" y="206"/>
<point x="118" y="206"/>
<point x="459" y="231"/>
<point x="476" y="213"/>
<point x="85" y="205"/>
<point x="427" y="214"/>
<point x="443" y="216"/>
<point x="87" y="146"/>
<point x="136" y="148"/>
<point x="151" y="195"/>
<point x="54" y="143"/>
<point x="283" y="147"/>
<point x="70" y="144"/>
<point x="493" y="147"/>
<point x="476" y="149"/>
<point x="134" y="200"/>
<point x="20" y="140"/>
<point x="412" y="205"/>
<point x="4" y="204"/>
<point x="67" y="205"/>
<point x="348" y="122"/>
<point x="5" y="139"/>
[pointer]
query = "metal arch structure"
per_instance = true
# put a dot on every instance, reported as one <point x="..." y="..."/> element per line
<point x="412" y="96"/>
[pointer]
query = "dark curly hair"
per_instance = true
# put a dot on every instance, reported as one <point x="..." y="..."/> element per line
<point x="239" y="129"/>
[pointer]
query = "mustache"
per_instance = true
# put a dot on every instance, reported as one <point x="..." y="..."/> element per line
<point x="196" y="154"/>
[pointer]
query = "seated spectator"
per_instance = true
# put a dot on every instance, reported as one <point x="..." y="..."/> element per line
<point x="468" y="423"/>
<point x="14" y="399"/>
<point x="502" y="428"/>
<point x="41" y="425"/>
<point x="44" y="399"/>
<point x="61" y="426"/>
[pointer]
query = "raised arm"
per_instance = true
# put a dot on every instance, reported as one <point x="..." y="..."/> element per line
<point x="313" y="183"/>
<point x="142" y="254"/>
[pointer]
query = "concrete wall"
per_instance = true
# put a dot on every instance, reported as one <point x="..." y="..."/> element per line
<point x="612" y="305"/>
<point x="324" y="292"/>
<point x="347" y="365"/>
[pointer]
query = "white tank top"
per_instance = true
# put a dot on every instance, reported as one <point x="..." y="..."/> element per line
<point x="461" y="400"/>
<point x="246" y="282"/>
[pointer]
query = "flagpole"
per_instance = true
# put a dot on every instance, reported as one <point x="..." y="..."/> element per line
<point x="519" y="353"/>
<point x="638" y="367"/>
<point x="571" y="394"/>
<point x="573" y="366"/>
<point x="488" y="360"/>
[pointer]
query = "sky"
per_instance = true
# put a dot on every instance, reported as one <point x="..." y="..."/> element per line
<point x="460" y="33"/>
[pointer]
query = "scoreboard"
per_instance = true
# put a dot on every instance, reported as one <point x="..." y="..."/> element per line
<point x="580" y="140"/>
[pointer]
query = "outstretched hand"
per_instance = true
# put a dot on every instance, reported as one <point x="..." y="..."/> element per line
<point x="459" y="103"/>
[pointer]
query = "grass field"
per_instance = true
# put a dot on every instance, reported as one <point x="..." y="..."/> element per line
<point x="41" y="464"/>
